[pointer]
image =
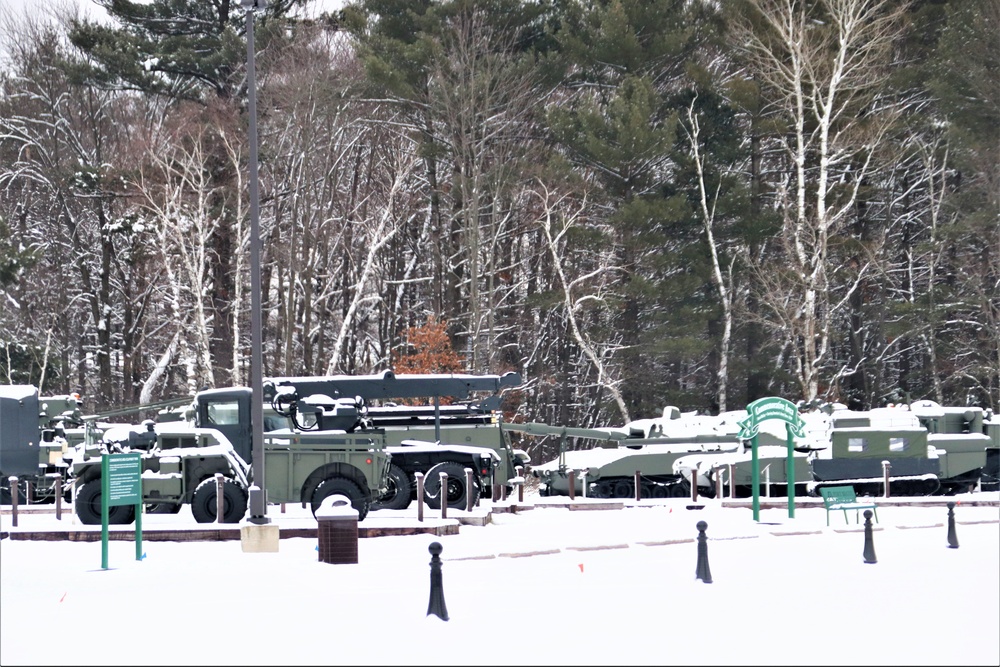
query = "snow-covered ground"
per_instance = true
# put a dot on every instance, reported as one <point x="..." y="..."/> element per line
<point x="545" y="586"/>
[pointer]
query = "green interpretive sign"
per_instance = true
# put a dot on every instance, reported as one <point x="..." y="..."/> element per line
<point x="761" y="410"/>
<point x="771" y="408"/>
<point x="124" y="479"/>
<point x="121" y="484"/>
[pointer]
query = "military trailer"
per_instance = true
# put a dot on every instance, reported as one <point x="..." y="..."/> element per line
<point x="309" y="467"/>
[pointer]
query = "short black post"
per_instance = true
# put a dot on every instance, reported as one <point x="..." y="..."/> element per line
<point x="869" y="547"/>
<point x="443" y="494"/>
<point x="952" y="538"/>
<point x="220" y="497"/>
<point x="57" y="484"/>
<point x="470" y="497"/>
<point x="419" y="479"/>
<point x="14" y="491"/>
<point x="436" y="605"/>
<point x="701" y="571"/>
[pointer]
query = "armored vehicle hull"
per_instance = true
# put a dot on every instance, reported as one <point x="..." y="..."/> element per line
<point x="866" y="449"/>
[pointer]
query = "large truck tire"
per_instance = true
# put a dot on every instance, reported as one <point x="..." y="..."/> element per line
<point x="333" y="486"/>
<point x="204" y="503"/>
<point x="399" y="493"/>
<point x="456" y="492"/>
<point x="88" y="506"/>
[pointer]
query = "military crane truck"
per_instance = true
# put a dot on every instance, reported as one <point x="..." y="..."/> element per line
<point x="429" y="439"/>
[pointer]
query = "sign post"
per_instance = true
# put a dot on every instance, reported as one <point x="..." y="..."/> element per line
<point x="121" y="484"/>
<point x="759" y="411"/>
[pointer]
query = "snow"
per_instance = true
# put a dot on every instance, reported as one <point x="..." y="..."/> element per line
<point x="545" y="585"/>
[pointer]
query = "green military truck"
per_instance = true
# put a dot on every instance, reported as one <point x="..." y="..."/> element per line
<point x="180" y="463"/>
<point x="427" y="439"/>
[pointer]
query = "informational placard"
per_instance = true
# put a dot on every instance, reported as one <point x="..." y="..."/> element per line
<point x="121" y="484"/>
<point x="124" y="479"/>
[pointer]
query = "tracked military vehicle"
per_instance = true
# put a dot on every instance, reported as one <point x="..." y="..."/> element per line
<point x="647" y="446"/>
<point x="929" y="450"/>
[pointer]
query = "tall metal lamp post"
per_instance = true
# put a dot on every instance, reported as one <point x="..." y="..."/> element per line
<point x="258" y="499"/>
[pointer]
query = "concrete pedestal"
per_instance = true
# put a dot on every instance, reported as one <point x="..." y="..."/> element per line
<point x="259" y="537"/>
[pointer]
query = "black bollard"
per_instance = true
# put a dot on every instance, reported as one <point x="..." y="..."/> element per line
<point x="436" y="605"/>
<point x="952" y="538"/>
<point x="701" y="571"/>
<point x="869" y="547"/>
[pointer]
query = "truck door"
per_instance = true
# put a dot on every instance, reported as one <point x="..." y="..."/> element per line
<point x="228" y="410"/>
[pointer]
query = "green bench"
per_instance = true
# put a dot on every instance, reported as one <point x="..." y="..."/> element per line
<point x="843" y="498"/>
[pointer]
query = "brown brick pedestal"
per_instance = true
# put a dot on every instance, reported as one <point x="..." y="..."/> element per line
<point x="337" y="530"/>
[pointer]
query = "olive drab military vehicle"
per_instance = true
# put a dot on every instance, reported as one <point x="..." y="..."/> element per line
<point x="924" y="449"/>
<point x="929" y="449"/>
<point x="180" y="461"/>
<point x="40" y="437"/>
<point x="317" y="442"/>
<point x="429" y="439"/>
<point x="646" y="446"/>
<point x="179" y="464"/>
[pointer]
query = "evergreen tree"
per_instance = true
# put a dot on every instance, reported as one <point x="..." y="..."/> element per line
<point x="968" y="90"/>
<point x="625" y="64"/>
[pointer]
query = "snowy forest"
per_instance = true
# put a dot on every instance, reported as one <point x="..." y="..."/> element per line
<point x="632" y="203"/>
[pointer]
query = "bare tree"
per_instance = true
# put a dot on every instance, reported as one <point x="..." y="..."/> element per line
<point x="581" y="290"/>
<point x="394" y="204"/>
<point x="67" y="145"/>
<point x="722" y="276"/>
<point x="335" y="208"/>
<point x="484" y="93"/>
<point x="824" y="64"/>
<point x="179" y="199"/>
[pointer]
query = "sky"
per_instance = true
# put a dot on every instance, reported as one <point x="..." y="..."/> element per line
<point x="543" y="586"/>
<point x="15" y="10"/>
<point x="93" y="10"/>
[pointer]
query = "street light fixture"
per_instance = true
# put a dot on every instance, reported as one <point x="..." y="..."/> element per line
<point x="258" y="498"/>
